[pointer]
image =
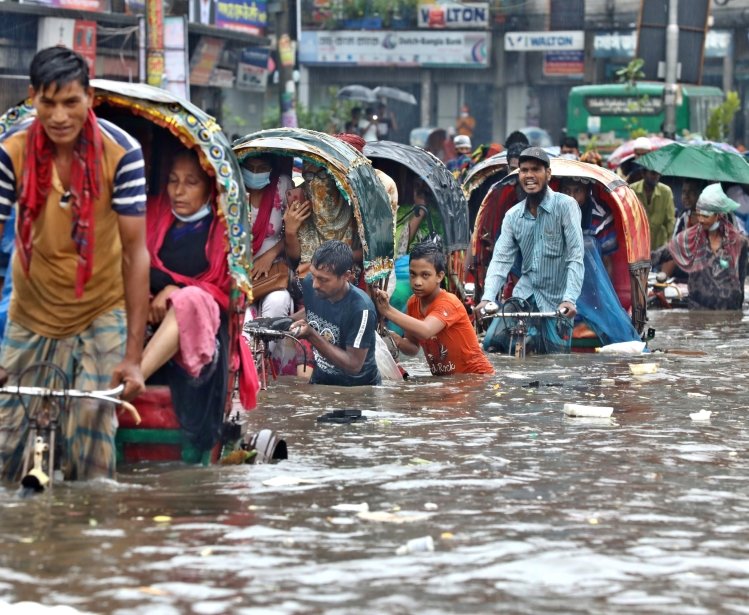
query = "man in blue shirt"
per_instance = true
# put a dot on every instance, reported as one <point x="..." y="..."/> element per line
<point x="545" y="230"/>
<point x="339" y="320"/>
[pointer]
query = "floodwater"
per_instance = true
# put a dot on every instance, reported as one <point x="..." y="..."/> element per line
<point x="529" y="511"/>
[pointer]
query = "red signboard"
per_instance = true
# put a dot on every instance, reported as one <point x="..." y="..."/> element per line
<point x="564" y="63"/>
<point x="84" y="42"/>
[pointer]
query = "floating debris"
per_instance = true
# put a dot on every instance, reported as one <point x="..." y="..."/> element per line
<point x="357" y="508"/>
<point x="588" y="411"/>
<point x="416" y="545"/>
<point x="702" y="415"/>
<point x="639" y="369"/>
<point x="382" y="516"/>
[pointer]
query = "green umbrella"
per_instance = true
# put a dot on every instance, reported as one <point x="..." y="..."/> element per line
<point x="702" y="161"/>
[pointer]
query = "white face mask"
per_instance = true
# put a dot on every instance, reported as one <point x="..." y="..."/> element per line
<point x="204" y="210"/>
<point x="714" y="226"/>
<point x="255" y="181"/>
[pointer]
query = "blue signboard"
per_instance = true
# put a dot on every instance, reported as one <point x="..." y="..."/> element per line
<point x="250" y="16"/>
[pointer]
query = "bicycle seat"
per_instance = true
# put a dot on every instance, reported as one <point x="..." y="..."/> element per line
<point x="276" y="324"/>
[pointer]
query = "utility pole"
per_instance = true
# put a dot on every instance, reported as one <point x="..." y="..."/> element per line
<point x="286" y="60"/>
<point x="672" y="64"/>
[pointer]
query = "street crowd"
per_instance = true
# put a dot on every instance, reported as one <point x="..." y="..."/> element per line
<point x="88" y="299"/>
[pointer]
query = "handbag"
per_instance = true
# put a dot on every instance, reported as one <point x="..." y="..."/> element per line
<point x="277" y="279"/>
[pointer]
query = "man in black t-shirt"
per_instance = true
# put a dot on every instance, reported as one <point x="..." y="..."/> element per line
<point x="339" y="320"/>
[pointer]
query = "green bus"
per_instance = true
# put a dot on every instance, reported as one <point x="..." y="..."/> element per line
<point x="611" y="112"/>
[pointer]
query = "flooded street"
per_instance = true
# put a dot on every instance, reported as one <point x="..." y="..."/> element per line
<point x="529" y="511"/>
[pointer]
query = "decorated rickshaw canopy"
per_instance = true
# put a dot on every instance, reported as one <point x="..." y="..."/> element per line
<point x="618" y="195"/>
<point x="355" y="177"/>
<point x="483" y="170"/>
<point x="446" y="191"/>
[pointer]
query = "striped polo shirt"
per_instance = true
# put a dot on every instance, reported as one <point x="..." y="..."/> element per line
<point x="44" y="301"/>
<point x="551" y="247"/>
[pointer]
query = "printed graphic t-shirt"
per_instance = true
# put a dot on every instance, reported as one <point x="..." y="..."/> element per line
<point x="455" y="349"/>
<point x="348" y="322"/>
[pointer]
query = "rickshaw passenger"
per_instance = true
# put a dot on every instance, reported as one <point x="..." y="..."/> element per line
<point x="189" y="285"/>
<point x="81" y="264"/>
<point x="597" y="219"/>
<point x="266" y="189"/>
<point x="358" y="144"/>
<point x="323" y="216"/>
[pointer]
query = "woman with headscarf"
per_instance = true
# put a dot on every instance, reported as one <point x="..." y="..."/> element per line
<point x="713" y="252"/>
<point x="267" y="188"/>
<point x="189" y="307"/>
<point x="324" y="215"/>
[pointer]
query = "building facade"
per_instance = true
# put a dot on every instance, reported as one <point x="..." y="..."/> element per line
<point x="485" y="55"/>
<point x="217" y="58"/>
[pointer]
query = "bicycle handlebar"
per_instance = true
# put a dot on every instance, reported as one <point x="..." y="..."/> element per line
<point x="109" y="395"/>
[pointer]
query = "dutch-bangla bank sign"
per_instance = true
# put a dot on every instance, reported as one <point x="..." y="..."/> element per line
<point x="558" y="40"/>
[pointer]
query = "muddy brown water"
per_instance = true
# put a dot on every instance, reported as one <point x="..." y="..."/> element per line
<point x="529" y="511"/>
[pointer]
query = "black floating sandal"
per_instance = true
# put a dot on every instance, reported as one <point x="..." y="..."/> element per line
<point x="342" y="416"/>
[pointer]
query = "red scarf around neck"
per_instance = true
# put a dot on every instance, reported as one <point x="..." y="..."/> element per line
<point x="260" y="225"/>
<point x="84" y="191"/>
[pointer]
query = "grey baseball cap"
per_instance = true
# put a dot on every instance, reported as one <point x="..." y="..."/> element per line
<point x="535" y="153"/>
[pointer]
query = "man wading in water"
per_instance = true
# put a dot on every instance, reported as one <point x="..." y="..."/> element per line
<point x="80" y="260"/>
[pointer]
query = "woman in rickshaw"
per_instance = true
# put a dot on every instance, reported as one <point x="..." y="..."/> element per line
<point x="190" y="284"/>
<point x="267" y="187"/>
<point x="322" y="215"/>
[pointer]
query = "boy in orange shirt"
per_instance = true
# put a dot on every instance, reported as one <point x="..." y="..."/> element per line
<point x="436" y="320"/>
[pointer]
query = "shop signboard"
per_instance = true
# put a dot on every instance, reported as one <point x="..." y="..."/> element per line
<point x="622" y="44"/>
<point x="562" y="40"/>
<point x="175" y="55"/>
<point x="564" y="63"/>
<point x="249" y="16"/>
<point x="454" y="15"/>
<point x="84" y="42"/>
<point x="95" y="6"/>
<point x="252" y="69"/>
<point x="395" y="48"/>
<point x="204" y="60"/>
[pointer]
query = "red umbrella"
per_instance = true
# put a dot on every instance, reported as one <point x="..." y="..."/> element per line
<point x="626" y="150"/>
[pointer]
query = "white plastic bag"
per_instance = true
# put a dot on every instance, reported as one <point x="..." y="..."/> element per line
<point x="623" y="348"/>
<point x="389" y="369"/>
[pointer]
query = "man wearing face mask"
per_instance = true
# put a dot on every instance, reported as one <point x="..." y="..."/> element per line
<point x="545" y="230"/>
<point x="325" y="215"/>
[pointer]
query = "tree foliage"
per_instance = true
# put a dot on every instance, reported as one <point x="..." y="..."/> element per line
<point x="719" y="123"/>
<point x="632" y="72"/>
